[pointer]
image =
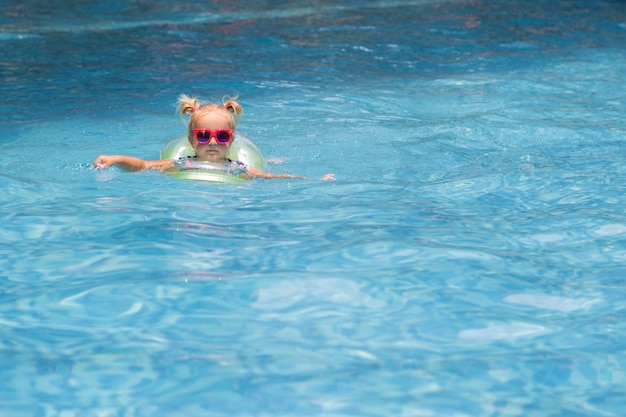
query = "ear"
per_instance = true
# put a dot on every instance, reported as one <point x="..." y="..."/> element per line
<point x="192" y="141"/>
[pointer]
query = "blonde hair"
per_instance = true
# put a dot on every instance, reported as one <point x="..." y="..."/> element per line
<point x="192" y="106"/>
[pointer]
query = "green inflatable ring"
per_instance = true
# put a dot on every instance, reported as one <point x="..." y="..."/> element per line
<point x="242" y="149"/>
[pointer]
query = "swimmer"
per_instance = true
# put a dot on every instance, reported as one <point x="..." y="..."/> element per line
<point x="210" y="132"/>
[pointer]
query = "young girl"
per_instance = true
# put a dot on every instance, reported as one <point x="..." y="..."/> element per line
<point x="211" y="131"/>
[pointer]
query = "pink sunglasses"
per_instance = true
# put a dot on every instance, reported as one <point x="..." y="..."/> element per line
<point x="222" y="136"/>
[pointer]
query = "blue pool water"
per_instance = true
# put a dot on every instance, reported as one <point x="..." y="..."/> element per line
<point x="469" y="259"/>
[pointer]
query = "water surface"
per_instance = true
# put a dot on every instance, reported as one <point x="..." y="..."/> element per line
<point x="467" y="261"/>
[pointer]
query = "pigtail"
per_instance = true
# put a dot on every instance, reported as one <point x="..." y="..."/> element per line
<point x="187" y="105"/>
<point x="233" y="107"/>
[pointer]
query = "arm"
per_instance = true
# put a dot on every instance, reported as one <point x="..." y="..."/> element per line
<point x="257" y="173"/>
<point x="130" y="163"/>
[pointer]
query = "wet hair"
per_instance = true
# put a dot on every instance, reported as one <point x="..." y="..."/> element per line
<point x="192" y="106"/>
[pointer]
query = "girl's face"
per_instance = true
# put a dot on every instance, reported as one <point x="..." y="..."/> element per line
<point x="212" y="151"/>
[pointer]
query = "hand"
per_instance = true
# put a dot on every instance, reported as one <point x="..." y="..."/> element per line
<point x="103" y="161"/>
<point x="328" y="177"/>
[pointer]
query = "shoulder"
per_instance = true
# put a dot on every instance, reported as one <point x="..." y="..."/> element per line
<point x="185" y="162"/>
<point x="238" y="167"/>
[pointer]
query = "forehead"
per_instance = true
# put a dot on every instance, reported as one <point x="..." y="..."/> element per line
<point x="214" y="120"/>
